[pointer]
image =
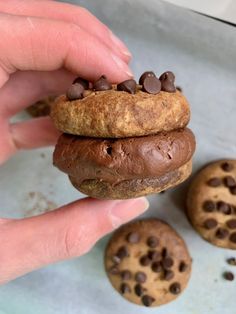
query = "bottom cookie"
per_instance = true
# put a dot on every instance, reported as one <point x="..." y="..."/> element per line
<point x="148" y="262"/>
<point x="133" y="188"/>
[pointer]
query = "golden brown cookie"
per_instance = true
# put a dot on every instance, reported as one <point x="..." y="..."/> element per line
<point x="148" y="262"/>
<point x="211" y="203"/>
<point x="134" y="187"/>
<point x="41" y="108"/>
<point x="118" y="114"/>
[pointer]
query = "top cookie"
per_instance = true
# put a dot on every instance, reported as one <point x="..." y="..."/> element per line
<point x="123" y="110"/>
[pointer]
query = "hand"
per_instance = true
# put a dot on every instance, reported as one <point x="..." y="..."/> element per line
<point x="44" y="46"/>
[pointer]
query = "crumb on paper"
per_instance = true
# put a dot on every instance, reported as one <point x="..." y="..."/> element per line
<point x="36" y="203"/>
<point x="42" y="155"/>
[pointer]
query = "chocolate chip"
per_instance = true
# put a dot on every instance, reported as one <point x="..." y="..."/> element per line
<point x="229" y="181"/>
<point x="82" y="82"/>
<point x="210" y="223"/>
<point x="208" y="206"/>
<point x="145" y="261"/>
<point x="75" y="91"/>
<point x="124" y="288"/>
<point x="151" y="85"/>
<point x="116" y="259"/>
<point x="233" y="237"/>
<point x="145" y="75"/>
<point x="167" y="82"/>
<point x="168" y="275"/>
<point x="157" y="267"/>
<point x="139" y="290"/>
<point x="168" y="86"/>
<point x="164" y="252"/>
<point x="147" y="300"/>
<point x="231" y="261"/>
<point x="140" y="277"/>
<point x="214" y="182"/>
<point x="114" y="270"/>
<point x="179" y="89"/>
<point x="102" y="84"/>
<point x="126" y="275"/>
<point x="152" y="242"/>
<point x="223" y="207"/>
<point x="167" y="262"/>
<point x="175" y="288"/>
<point x="154" y="255"/>
<point x="183" y="267"/>
<point x="233" y="190"/>
<point x="133" y="237"/>
<point x="128" y="86"/>
<point x="227" y="167"/>
<point x="231" y="223"/>
<point x="168" y="75"/>
<point x="228" y="276"/>
<point x="122" y="252"/>
<point x="221" y="233"/>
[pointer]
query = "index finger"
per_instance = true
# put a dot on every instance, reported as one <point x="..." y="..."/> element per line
<point x="68" y="13"/>
<point x="30" y="43"/>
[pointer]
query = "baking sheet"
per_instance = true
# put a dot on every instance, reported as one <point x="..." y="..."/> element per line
<point x="201" y="52"/>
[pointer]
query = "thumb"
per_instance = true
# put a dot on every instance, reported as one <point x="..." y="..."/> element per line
<point x="67" y="232"/>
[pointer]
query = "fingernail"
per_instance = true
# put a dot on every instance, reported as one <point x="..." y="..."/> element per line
<point x="123" y="49"/>
<point x="122" y="65"/>
<point x="123" y="211"/>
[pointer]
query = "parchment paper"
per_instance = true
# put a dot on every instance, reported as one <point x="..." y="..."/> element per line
<point x="201" y="52"/>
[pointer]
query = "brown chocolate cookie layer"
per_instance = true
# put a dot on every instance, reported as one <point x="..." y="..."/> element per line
<point x="116" y="160"/>
<point x="211" y="203"/>
<point x="147" y="262"/>
<point x="134" y="187"/>
<point x="118" y="114"/>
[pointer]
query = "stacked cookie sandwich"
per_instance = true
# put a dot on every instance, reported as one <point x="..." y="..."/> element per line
<point x="126" y="140"/>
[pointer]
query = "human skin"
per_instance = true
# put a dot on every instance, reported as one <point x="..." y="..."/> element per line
<point x="44" y="46"/>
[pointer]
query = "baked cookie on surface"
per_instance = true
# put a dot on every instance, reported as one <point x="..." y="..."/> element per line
<point x="148" y="262"/>
<point x="42" y="107"/>
<point x="211" y="203"/>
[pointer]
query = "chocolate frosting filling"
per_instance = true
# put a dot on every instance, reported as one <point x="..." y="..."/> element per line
<point x="116" y="160"/>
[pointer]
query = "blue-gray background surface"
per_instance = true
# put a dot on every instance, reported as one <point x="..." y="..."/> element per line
<point x="201" y="52"/>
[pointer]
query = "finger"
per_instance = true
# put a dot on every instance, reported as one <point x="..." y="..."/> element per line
<point x="47" y="45"/>
<point x="34" y="133"/>
<point x="68" y="13"/>
<point x="26" y="87"/>
<point x="65" y="233"/>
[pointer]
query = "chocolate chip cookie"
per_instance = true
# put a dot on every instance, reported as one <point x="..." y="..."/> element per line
<point x="147" y="262"/>
<point x="118" y="114"/>
<point x="211" y="203"/>
<point x="42" y="107"/>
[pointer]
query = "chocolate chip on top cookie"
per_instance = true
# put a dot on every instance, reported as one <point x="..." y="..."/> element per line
<point x="156" y="267"/>
<point x="211" y="203"/>
<point x="123" y="110"/>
